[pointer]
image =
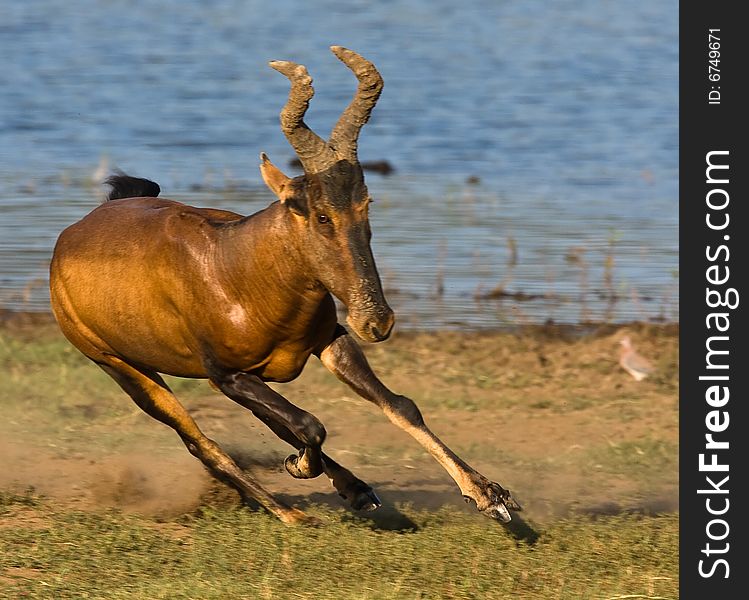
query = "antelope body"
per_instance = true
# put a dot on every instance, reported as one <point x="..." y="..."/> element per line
<point x="145" y="286"/>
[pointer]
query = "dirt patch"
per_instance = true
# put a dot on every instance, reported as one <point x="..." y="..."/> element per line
<point x="547" y="412"/>
<point x="16" y="576"/>
<point x="164" y="485"/>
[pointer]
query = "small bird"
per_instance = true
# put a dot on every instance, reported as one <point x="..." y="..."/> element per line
<point x="633" y="363"/>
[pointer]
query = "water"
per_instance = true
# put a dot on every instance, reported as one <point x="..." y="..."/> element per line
<point x="565" y="112"/>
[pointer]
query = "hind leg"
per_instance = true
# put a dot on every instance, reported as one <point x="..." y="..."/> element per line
<point x="298" y="428"/>
<point x="151" y="393"/>
<point x="302" y="429"/>
<point x="359" y="494"/>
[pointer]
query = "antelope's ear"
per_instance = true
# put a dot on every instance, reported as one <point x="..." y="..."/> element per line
<point x="273" y="177"/>
<point x="286" y="189"/>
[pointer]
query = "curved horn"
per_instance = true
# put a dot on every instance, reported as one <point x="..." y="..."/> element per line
<point x="346" y="132"/>
<point x="313" y="151"/>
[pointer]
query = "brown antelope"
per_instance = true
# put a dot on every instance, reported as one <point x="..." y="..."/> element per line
<point x="144" y="286"/>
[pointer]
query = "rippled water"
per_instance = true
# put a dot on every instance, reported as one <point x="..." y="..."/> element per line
<point x="564" y="112"/>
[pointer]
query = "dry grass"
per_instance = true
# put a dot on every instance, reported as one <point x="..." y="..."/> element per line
<point x="122" y="510"/>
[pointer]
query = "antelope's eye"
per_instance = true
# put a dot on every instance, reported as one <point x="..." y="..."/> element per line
<point x="323" y="219"/>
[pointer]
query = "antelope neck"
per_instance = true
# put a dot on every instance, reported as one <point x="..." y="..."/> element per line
<point x="261" y="250"/>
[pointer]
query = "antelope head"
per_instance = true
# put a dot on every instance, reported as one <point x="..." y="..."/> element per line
<point x="329" y="204"/>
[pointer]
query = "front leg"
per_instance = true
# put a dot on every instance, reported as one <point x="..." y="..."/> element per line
<point x="344" y="358"/>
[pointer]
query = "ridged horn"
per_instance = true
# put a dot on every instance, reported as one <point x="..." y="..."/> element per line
<point x="313" y="151"/>
<point x="345" y="136"/>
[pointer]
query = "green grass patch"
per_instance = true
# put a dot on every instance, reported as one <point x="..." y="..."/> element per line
<point x="645" y="458"/>
<point x="48" y="376"/>
<point x="236" y="553"/>
<point x="57" y="405"/>
<point x="10" y="500"/>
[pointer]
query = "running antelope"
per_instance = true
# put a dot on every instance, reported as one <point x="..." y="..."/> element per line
<point x="145" y="286"/>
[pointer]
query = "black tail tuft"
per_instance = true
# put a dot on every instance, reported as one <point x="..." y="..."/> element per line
<point x="124" y="186"/>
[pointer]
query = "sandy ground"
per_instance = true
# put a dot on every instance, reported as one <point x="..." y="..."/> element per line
<point x="547" y="412"/>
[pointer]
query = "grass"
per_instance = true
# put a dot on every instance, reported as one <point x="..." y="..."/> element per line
<point x="572" y="433"/>
<point x="647" y="458"/>
<point x="237" y="553"/>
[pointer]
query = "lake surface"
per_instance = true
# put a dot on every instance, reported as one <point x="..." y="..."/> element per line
<point x="535" y="143"/>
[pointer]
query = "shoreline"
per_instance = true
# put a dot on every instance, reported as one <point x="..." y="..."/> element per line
<point x="13" y="319"/>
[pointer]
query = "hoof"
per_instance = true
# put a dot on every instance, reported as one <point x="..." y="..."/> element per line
<point x="310" y="521"/>
<point x="366" y="500"/>
<point x="295" y="516"/>
<point x="362" y="497"/>
<point x="498" y="512"/>
<point x="497" y="504"/>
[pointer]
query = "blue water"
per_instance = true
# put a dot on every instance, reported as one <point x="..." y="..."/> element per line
<point x="566" y="113"/>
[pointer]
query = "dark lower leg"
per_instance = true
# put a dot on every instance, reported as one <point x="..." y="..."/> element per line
<point x="359" y="495"/>
<point x="292" y="424"/>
